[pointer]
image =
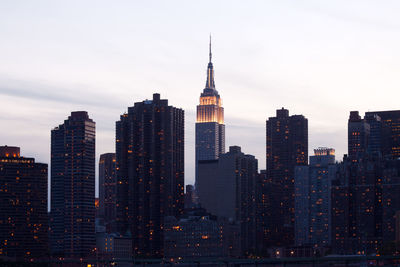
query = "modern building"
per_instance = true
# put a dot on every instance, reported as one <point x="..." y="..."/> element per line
<point x="23" y="207"/>
<point x="230" y="191"/>
<point x="210" y="127"/>
<point x="287" y="147"/>
<point x="72" y="222"/>
<point x="313" y="199"/>
<point x="107" y="191"/>
<point x="150" y="172"/>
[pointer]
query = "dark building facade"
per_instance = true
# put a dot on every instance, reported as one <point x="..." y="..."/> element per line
<point x="365" y="199"/>
<point x="23" y="205"/>
<point x="210" y="127"/>
<point x="287" y="147"/>
<point x="230" y="192"/>
<point x="198" y="234"/>
<point x="389" y="132"/>
<point x="378" y="134"/>
<point x="365" y="193"/>
<point x="191" y="199"/>
<point x="194" y="235"/>
<point x="150" y="172"/>
<point x="313" y="199"/>
<point x="72" y="222"/>
<point x="358" y="136"/>
<point x="107" y="191"/>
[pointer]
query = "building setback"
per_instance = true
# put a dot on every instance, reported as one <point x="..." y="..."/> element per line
<point x="150" y="172"/>
<point x="23" y="205"/>
<point x="210" y="128"/>
<point x="287" y="147"/>
<point x="107" y="190"/>
<point x="72" y="223"/>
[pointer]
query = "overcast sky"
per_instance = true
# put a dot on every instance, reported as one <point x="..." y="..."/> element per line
<point x="321" y="59"/>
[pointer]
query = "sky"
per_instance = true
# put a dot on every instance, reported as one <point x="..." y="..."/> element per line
<point x="321" y="59"/>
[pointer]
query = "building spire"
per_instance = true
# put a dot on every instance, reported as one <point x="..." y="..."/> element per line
<point x="210" y="72"/>
<point x="210" y="49"/>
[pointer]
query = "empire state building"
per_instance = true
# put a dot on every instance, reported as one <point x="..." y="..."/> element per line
<point x="210" y="128"/>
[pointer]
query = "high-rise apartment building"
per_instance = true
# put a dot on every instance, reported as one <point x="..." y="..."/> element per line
<point x="210" y="128"/>
<point x="72" y="223"/>
<point x="313" y="199"/>
<point x="150" y="172"/>
<point x="287" y="147"/>
<point x="107" y="190"/>
<point x="23" y="206"/>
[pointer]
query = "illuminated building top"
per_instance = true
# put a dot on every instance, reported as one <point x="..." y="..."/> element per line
<point x="324" y="151"/>
<point x="210" y="108"/>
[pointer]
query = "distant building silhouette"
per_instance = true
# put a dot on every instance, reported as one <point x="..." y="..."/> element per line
<point x="107" y="191"/>
<point x="72" y="224"/>
<point x="23" y="206"/>
<point x="313" y="199"/>
<point x="150" y="172"/>
<point x="287" y="147"/>
<point x="230" y="192"/>
<point x="210" y="127"/>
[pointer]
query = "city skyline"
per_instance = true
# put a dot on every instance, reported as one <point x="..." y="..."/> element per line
<point x="322" y="62"/>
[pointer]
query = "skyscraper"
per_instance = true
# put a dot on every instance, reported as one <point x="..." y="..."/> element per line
<point x="150" y="172"/>
<point x="107" y="190"/>
<point x="72" y="223"/>
<point x="23" y="206"/>
<point x="287" y="146"/>
<point x="313" y="199"/>
<point x="210" y="128"/>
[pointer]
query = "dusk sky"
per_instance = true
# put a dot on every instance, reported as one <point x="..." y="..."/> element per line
<point x="321" y="59"/>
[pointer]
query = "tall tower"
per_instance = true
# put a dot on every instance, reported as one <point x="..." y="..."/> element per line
<point x="72" y="223"/>
<point x="287" y="147"/>
<point x="210" y="128"/>
<point x="150" y="172"/>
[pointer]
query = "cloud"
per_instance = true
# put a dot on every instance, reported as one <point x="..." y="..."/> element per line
<point x="42" y="91"/>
